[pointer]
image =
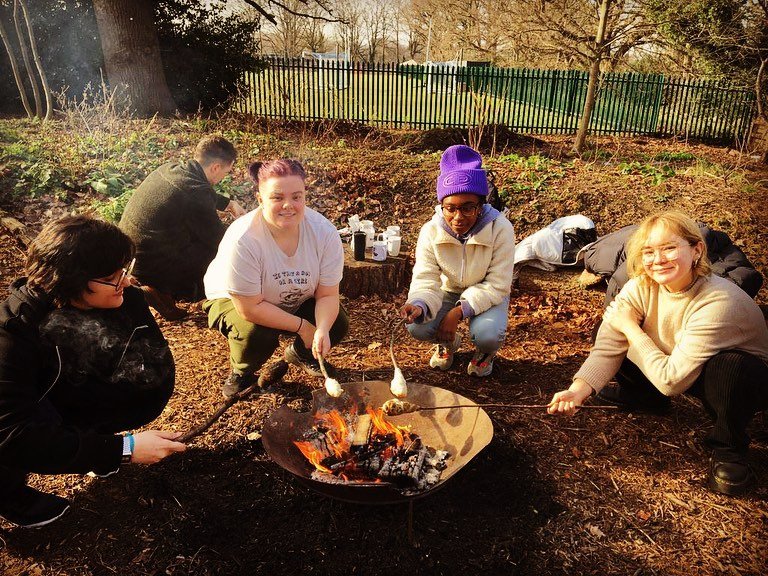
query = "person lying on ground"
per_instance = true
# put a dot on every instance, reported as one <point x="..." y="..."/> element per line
<point x="606" y="259"/>
<point x="676" y="328"/>
<point x="81" y="360"/>
<point x="172" y="218"/>
<point x="277" y="271"/>
<point x="463" y="268"/>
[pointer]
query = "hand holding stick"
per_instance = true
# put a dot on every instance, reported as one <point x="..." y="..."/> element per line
<point x="395" y="407"/>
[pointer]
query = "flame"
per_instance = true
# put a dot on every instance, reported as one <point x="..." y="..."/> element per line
<point x="381" y="427"/>
<point x="338" y="433"/>
<point x="314" y="456"/>
<point x="338" y="437"/>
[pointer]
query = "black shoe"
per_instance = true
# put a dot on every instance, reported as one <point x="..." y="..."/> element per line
<point x="236" y="383"/>
<point x="731" y="478"/>
<point x="30" y="508"/>
<point x="310" y="365"/>
<point x="272" y="374"/>
<point x="632" y="401"/>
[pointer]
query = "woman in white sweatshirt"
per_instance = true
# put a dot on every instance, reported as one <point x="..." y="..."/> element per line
<point x="463" y="268"/>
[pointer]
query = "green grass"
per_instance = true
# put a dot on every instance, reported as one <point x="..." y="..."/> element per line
<point x="398" y="101"/>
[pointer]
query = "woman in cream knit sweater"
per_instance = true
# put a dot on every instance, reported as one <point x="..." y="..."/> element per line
<point x="676" y="328"/>
<point x="463" y="266"/>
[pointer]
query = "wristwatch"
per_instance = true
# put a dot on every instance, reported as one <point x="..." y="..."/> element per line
<point x="127" y="449"/>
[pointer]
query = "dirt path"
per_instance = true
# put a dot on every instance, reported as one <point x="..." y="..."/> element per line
<point x="598" y="493"/>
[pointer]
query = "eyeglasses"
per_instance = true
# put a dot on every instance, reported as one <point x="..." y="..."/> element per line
<point x="667" y="253"/>
<point x="127" y="271"/>
<point x="465" y="209"/>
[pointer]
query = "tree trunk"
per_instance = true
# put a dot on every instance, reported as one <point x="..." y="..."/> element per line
<point x="27" y="64"/>
<point x="589" y="105"/>
<point x="594" y="74"/>
<point x="15" y="69"/>
<point x="38" y="63"/>
<point x="132" y="55"/>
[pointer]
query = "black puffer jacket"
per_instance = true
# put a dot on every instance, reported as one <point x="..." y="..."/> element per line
<point x="606" y="257"/>
<point x="69" y="379"/>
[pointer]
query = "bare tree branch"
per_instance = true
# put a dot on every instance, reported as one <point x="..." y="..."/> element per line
<point x="271" y="17"/>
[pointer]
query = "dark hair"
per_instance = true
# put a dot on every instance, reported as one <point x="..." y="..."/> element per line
<point x="260" y="171"/>
<point x="215" y="148"/>
<point x="72" y="250"/>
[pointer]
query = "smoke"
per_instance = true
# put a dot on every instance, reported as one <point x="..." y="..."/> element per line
<point x="68" y="43"/>
<point x="105" y="347"/>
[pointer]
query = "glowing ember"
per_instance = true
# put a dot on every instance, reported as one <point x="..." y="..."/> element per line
<point x="368" y="448"/>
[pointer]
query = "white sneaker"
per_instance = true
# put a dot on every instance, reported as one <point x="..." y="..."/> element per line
<point x="442" y="358"/>
<point x="481" y="364"/>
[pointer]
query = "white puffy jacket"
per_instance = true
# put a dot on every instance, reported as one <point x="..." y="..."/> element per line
<point x="480" y="270"/>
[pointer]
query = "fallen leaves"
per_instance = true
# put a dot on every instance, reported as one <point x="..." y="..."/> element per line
<point x="594" y="531"/>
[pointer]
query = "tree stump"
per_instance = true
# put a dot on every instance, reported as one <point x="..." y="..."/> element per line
<point x="366" y="277"/>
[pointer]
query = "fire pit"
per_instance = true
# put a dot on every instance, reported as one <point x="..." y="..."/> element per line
<point x="462" y="432"/>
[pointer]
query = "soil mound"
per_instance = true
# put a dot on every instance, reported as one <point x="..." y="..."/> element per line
<point x="494" y="139"/>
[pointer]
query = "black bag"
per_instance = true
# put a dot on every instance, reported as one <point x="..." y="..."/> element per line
<point x="574" y="239"/>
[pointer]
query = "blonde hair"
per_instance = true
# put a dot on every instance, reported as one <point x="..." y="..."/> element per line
<point x="677" y="223"/>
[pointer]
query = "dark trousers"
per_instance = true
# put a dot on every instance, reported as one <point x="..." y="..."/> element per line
<point x="733" y="387"/>
<point x="251" y="345"/>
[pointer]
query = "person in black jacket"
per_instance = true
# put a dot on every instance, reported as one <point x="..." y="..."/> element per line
<point x="172" y="218"/>
<point x="81" y="360"/>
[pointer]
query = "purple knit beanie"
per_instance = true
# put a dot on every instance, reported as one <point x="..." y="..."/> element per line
<point x="461" y="172"/>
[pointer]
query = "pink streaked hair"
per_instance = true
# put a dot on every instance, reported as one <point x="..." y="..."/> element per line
<point x="261" y="171"/>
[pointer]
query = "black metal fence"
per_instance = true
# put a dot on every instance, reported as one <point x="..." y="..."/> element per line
<point x="525" y="100"/>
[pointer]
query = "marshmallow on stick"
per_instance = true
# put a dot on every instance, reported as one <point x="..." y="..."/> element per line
<point x="398" y="386"/>
<point x="332" y="386"/>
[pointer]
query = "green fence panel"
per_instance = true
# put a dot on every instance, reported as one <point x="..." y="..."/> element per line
<point x="526" y="100"/>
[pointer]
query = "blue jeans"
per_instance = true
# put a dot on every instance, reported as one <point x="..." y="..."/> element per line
<point x="488" y="329"/>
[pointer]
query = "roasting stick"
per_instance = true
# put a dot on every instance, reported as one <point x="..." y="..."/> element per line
<point x="223" y="407"/>
<point x="395" y="407"/>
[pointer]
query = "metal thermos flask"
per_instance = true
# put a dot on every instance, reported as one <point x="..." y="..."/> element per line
<point x="358" y="245"/>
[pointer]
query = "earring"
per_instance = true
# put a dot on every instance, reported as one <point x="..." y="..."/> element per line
<point x="696" y="262"/>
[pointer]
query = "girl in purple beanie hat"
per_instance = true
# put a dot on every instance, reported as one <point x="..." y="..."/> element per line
<point x="463" y="267"/>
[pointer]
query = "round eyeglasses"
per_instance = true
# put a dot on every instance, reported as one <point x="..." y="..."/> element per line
<point x="127" y="271"/>
<point x="468" y="210"/>
<point x="666" y="253"/>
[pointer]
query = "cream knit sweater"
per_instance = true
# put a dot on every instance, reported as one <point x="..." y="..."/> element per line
<point x="682" y="331"/>
<point x="480" y="270"/>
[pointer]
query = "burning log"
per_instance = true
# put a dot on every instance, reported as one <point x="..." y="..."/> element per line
<point x="366" y="448"/>
<point x="363" y="430"/>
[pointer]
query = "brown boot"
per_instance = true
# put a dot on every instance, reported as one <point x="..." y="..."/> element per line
<point x="163" y="303"/>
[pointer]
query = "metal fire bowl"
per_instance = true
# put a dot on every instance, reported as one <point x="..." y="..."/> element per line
<point x="463" y="432"/>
